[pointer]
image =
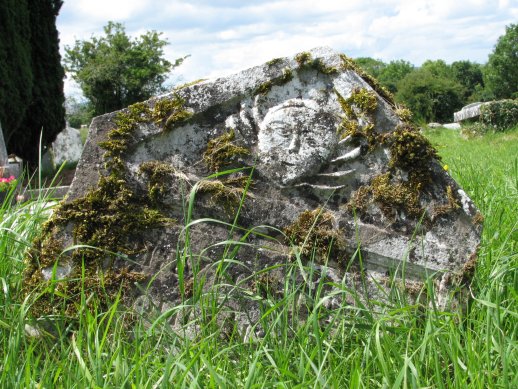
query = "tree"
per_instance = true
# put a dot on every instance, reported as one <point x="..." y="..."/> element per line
<point x="115" y="71"/>
<point x="469" y="75"/>
<point x="16" y="79"/>
<point x="372" y="66"/>
<point x="78" y="112"/>
<point x="501" y="71"/>
<point x="431" y="97"/>
<point x="30" y="68"/>
<point x="394" y="72"/>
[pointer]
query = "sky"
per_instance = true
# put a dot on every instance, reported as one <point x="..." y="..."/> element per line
<point x="222" y="37"/>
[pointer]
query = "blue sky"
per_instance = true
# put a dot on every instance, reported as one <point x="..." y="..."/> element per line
<point x="224" y="36"/>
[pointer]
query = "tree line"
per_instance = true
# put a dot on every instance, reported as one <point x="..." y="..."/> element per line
<point x="435" y="90"/>
<point x="115" y="70"/>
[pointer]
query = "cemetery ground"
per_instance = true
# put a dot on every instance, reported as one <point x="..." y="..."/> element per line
<point x="377" y="344"/>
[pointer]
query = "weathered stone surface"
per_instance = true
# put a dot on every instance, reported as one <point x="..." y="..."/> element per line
<point x="7" y="168"/>
<point x="67" y="146"/>
<point x="326" y="159"/>
<point x="470" y="111"/>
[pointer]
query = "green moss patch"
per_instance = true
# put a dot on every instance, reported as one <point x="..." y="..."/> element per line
<point x="410" y="151"/>
<point x="314" y="231"/>
<point x="108" y="218"/>
<point x="390" y="196"/>
<point x="158" y="174"/>
<point x="222" y="151"/>
<point x="349" y="64"/>
<point x="226" y="193"/>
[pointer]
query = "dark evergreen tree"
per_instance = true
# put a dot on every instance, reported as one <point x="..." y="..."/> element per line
<point x="16" y="78"/>
<point x="46" y="111"/>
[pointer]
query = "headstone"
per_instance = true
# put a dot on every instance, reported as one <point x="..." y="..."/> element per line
<point x="7" y="168"/>
<point x="67" y="146"/>
<point x="470" y="111"/>
<point x="434" y="125"/>
<point x="310" y="145"/>
<point x="4" y="157"/>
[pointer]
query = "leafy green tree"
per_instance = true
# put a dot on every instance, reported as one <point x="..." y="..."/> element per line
<point x="501" y="71"/>
<point x="78" y="112"/>
<point x="394" y="72"/>
<point x="469" y="75"/>
<point x="437" y="68"/>
<point x="431" y="97"/>
<point x="372" y="66"/>
<point x="115" y="71"/>
<point x="31" y="75"/>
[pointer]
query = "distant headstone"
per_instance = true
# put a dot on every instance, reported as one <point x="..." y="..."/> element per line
<point x="7" y="168"/>
<point x="4" y="157"/>
<point x="325" y="158"/>
<point x="67" y="146"/>
<point x="434" y="125"/>
<point x="452" y="126"/>
<point x="470" y="111"/>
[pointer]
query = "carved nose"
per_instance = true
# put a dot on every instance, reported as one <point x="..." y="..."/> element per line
<point x="294" y="144"/>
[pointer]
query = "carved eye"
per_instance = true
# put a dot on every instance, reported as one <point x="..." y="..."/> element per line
<point x="311" y="142"/>
<point x="284" y="132"/>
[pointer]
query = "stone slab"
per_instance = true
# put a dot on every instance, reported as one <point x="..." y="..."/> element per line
<point x="325" y="161"/>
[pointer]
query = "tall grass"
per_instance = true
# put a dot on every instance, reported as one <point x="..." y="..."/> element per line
<point x="303" y="342"/>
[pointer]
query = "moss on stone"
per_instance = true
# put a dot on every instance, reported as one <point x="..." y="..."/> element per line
<point x="227" y="193"/>
<point x="403" y="113"/>
<point x="365" y="100"/>
<point x="314" y="231"/>
<point x="389" y="196"/>
<point x="275" y="61"/>
<point x="107" y="218"/>
<point x="361" y="103"/>
<point x="158" y="174"/>
<point x="410" y="150"/>
<point x="222" y="151"/>
<point x="303" y="58"/>
<point x="265" y="87"/>
<point x="349" y="64"/>
<point x="188" y="84"/>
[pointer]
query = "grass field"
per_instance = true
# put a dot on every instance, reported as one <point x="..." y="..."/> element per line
<point x="400" y="346"/>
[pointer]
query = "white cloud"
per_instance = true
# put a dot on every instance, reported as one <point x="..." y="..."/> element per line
<point x="223" y="36"/>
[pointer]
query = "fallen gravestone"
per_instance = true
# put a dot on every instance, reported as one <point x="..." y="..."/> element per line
<point x="309" y="145"/>
<point x="470" y="111"/>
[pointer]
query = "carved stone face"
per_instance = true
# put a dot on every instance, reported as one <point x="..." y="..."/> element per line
<point x="295" y="139"/>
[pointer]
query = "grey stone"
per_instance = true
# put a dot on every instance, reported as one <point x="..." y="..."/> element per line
<point x="315" y="151"/>
<point x="452" y="126"/>
<point x="67" y="146"/>
<point x="7" y="168"/>
<point x="470" y="111"/>
<point x="4" y="157"/>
